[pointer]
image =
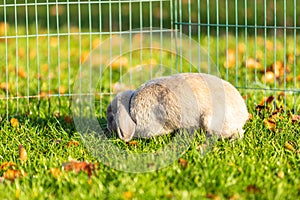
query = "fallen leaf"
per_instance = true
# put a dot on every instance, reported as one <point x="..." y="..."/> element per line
<point x="267" y="100"/>
<point x="12" y="174"/>
<point x="183" y="162"/>
<point x="280" y="69"/>
<point x="73" y="143"/>
<point x="3" y="86"/>
<point x="295" y="118"/>
<point x="234" y="197"/>
<point x="270" y="124"/>
<point x="251" y="63"/>
<point x="3" y="26"/>
<point x="280" y="174"/>
<point x="213" y="196"/>
<point x="68" y="120"/>
<point x="127" y="195"/>
<point x="21" y="52"/>
<point x="290" y="146"/>
<point x="268" y="77"/>
<point x="55" y="172"/>
<point x="62" y="89"/>
<point x="230" y="59"/>
<point x="14" y="122"/>
<point x="22" y="153"/>
<point x="133" y="143"/>
<point x="242" y="48"/>
<point x="22" y="73"/>
<point x="119" y="62"/>
<point x="78" y="166"/>
<point x="290" y="57"/>
<point x="250" y="116"/>
<point x="8" y="165"/>
<point x="96" y="43"/>
<point x="253" y="189"/>
<point x="18" y="193"/>
<point x="44" y="67"/>
<point x="269" y="45"/>
<point x="84" y="55"/>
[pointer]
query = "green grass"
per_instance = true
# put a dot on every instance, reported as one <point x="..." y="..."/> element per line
<point x="261" y="166"/>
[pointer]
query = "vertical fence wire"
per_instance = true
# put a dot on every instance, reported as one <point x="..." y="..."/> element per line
<point x="274" y="49"/>
<point x="294" y="57"/>
<point x="237" y="44"/>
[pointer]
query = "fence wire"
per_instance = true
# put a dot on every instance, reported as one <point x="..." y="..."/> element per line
<point x="44" y="43"/>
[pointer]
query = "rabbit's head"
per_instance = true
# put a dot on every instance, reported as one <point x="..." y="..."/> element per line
<point x="118" y="116"/>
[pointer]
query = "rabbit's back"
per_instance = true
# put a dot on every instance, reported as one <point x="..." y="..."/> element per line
<point x="188" y="101"/>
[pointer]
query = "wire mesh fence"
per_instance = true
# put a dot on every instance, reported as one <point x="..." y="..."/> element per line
<point x="44" y="43"/>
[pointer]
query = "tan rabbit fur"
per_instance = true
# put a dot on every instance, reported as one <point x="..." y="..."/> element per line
<point x="183" y="101"/>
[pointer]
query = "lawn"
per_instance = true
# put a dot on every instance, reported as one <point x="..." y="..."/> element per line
<point x="53" y="162"/>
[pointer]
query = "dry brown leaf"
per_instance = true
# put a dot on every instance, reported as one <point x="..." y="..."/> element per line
<point x="270" y="124"/>
<point x="73" y="143"/>
<point x="22" y="153"/>
<point x="8" y="165"/>
<point x="295" y="118"/>
<point x="78" y="166"/>
<point x="68" y="120"/>
<point x="183" y="162"/>
<point x="120" y="62"/>
<point x="251" y="63"/>
<point x="55" y="172"/>
<point x="253" y="189"/>
<point x="213" y="196"/>
<point x="230" y="59"/>
<point x="267" y="100"/>
<point x="12" y="174"/>
<point x="14" y="122"/>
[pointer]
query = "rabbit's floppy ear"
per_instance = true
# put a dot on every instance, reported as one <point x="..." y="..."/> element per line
<point x="125" y="124"/>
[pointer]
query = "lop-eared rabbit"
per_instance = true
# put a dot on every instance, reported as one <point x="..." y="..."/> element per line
<point x="188" y="101"/>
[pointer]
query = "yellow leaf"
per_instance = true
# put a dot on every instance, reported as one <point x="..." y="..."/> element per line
<point x="14" y="122"/>
<point x="280" y="174"/>
<point x="127" y="195"/>
<point x="8" y="165"/>
<point x="22" y="153"/>
<point x="55" y="172"/>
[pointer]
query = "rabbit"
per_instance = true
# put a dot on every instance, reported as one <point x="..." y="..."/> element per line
<point x="188" y="101"/>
